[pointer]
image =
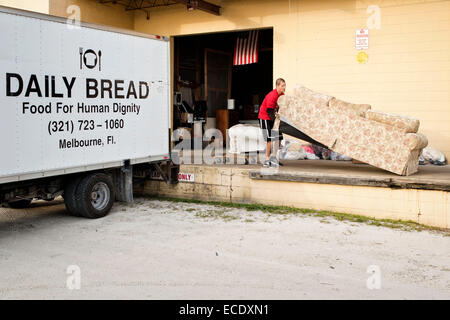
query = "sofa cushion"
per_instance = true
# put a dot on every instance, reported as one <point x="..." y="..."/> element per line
<point x="404" y="123"/>
<point x="343" y="106"/>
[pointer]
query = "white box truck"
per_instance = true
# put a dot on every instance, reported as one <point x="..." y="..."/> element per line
<point x="83" y="109"/>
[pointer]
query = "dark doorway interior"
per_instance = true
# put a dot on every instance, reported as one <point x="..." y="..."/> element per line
<point x="205" y="75"/>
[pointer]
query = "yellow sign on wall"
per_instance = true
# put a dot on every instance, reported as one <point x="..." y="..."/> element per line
<point x="362" y="57"/>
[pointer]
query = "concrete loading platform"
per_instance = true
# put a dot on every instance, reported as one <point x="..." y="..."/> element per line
<point x="321" y="185"/>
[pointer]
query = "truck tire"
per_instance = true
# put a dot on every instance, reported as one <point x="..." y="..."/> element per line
<point x="95" y="195"/>
<point x="20" y="204"/>
<point x="70" y="196"/>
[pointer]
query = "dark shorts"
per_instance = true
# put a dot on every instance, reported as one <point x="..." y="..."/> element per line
<point x="269" y="134"/>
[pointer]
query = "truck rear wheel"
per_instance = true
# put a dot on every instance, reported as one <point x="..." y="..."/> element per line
<point x="95" y="195"/>
<point x="70" y="196"/>
<point x="20" y="204"/>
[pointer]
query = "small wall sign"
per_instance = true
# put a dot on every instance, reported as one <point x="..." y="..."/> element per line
<point x="186" y="177"/>
<point x="362" y="39"/>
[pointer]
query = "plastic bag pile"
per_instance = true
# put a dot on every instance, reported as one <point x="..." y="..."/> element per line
<point x="294" y="150"/>
<point x="432" y="156"/>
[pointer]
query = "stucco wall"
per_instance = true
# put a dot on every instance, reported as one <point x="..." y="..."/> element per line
<point x="41" y="6"/>
<point x="94" y="12"/>
<point x="90" y="10"/>
<point x="408" y="70"/>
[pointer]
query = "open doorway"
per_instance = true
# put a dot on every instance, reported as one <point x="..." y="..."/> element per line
<point x="212" y="87"/>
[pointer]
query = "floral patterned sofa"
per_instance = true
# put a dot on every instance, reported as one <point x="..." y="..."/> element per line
<point x="384" y="140"/>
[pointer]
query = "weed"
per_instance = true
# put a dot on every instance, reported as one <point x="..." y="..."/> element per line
<point x="216" y="214"/>
<point x="285" y="210"/>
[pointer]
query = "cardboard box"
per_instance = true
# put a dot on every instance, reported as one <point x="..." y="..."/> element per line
<point x="255" y="99"/>
<point x="187" y="117"/>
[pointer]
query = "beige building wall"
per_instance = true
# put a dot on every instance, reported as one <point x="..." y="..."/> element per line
<point x="89" y="10"/>
<point x="407" y="72"/>
<point x="94" y="12"/>
<point x="41" y="6"/>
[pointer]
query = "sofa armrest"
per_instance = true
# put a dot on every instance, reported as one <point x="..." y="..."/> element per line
<point x="306" y="94"/>
<point x="416" y="141"/>
<point x="405" y="124"/>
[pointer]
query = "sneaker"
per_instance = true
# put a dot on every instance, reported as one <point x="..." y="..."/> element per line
<point x="277" y="158"/>
<point x="266" y="164"/>
<point x="274" y="162"/>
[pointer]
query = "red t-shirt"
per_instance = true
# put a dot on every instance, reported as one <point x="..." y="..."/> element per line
<point x="270" y="101"/>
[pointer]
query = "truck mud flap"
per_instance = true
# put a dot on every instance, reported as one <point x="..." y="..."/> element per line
<point x="124" y="183"/>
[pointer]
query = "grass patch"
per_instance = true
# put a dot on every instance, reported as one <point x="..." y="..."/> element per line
<point x="216" y="214"/>
<point x="285" y="210"/>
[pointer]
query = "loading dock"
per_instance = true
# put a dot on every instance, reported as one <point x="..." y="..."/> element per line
<point x="321" y="185"/>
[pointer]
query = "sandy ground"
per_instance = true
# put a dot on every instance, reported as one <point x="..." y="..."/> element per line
<point x="166" y="250"/>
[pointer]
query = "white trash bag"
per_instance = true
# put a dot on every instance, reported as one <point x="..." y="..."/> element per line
<point x="245" y="138"/>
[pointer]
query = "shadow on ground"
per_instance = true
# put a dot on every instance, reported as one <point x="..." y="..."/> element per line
<point x="39" y="215"/>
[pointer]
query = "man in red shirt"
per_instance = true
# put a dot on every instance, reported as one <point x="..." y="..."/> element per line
<point x="266" y="117"/>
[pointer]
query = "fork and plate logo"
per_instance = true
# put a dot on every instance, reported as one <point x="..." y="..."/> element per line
<point x="90" y="59"/>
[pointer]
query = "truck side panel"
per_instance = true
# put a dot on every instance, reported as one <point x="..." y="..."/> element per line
<point x="73" y="97"/>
